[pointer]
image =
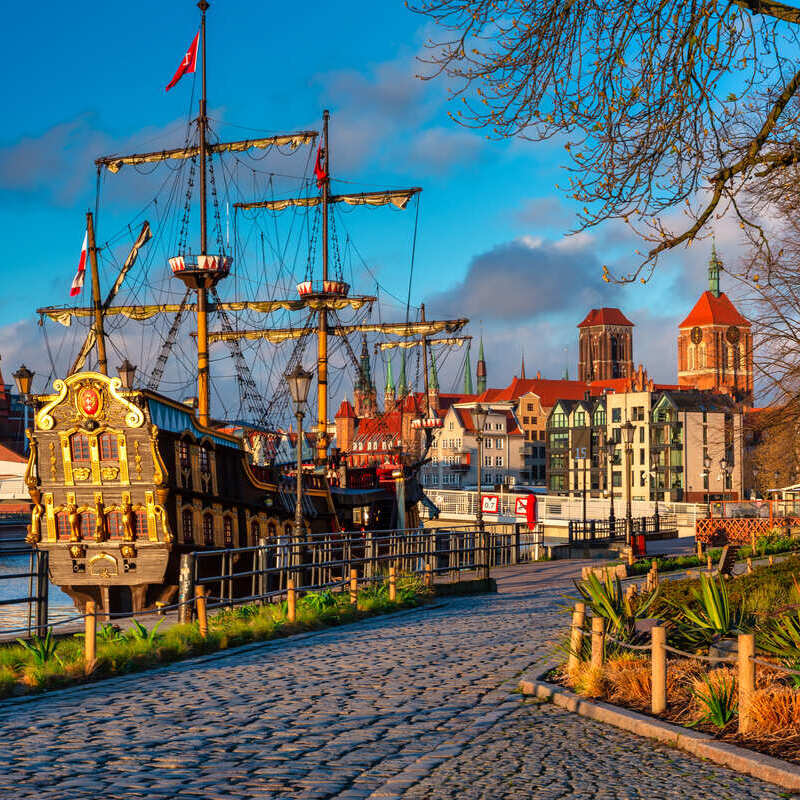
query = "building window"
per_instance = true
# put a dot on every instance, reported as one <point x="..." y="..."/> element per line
<point x="79" y="446"/>
<point x="534" y="420"/>
<point x="638" y="413"/>
<point x="487" y="461"/>
<point x="187" y="525"/>
<point x="701" y="360"/>
<point x="487" y="444"/>
<point x="183" y="453"/>
<point x="208" y="530"/>
<point x="691" y="357"/>
<point x="227" y="531"/>
<point x="108" y="447"/>
<point x="641" y="455"/>
<point x="580" y="419"/>
<point x="255" y="531"/>
<point x="62" y="525"/>
<point x="139" y="525"/>
<point x="616" y="478"/>
<point x="205" y="463"/>
<point x="558" y="420"/>
<point x="498" y="461"/>
<point x="526" y="420"/>
<point x="88" y="522"/>
<point x="557" y="483"/>
<point x="616" y="415"/>
<point x="498" y="444"/>
<point x="600" y="417"/>
<point x="114" y="524"/>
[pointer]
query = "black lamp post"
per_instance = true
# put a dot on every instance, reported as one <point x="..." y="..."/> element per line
<point x="299" y="383"/>
<point x="628" y="430"/>
<point x="654" y="474"/>
<point x="23" y="378"/>
<point x="707" y="477"/>
<point x="480" y="415"/>
<point x="610" y="448"/>
<point x="126" y="372"/>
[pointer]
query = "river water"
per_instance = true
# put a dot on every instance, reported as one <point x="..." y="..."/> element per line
<point x="16" y="616"/>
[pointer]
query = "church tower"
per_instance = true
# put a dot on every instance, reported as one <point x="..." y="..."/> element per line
<point x="715" y="344"/>
<point x="605" y="346"/>
<point x="389" y="395"/>
<point x="480" y="372"/>
<point x="364" y="395"/>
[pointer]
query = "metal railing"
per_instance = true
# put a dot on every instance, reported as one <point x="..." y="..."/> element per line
<point x="604" y="529"/>
<point x="38" y="592"/>
<point x="330" y="560"/>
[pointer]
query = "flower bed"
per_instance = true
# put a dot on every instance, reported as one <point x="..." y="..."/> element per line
<point x="54" y="662"/>
<point x="708" y="686"/>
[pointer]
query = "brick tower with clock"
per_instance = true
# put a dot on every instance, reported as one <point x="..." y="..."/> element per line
<point x="715" y="344"/>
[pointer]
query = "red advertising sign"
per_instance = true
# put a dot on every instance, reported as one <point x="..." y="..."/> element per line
<point x="490" y="504"/>
<point x="526" y="507"/>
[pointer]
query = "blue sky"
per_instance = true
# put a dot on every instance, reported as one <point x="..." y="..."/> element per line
<point x="88" y="79"/>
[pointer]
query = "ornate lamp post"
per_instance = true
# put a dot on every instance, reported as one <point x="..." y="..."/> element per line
<point x="126" y="372"/>
<point x="609" y="448"/>
<point x="707" y="477"/>
<point x="23" y="378"/>
<point x="299" y="383"/>
<point x="480" y="415"/>
<point x="628" y="430"/>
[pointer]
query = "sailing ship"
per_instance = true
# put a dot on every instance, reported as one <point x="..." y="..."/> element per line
<point x="125" y="479"/>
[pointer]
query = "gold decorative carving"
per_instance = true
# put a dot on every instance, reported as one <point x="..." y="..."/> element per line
<point x="134" y="418"/>
<point x="43" y="419"/>
<point x="81" y="473"/>
<point x="35" y="530"/>
<point x="74" y="522"/>
<point x="152" y="532"/>
<point x="109" y="473"/>
<point x="137" y="460"/>
<point x="94" y="457"/>
<point x="50" y="516"/>
<point x="128" y="551"/>
<point x="76" y="551"/>
<point x="122" y="447"/>
<point x="52" y="460"/>
<point x="103" y="565"/>
<point x="31" y="468"/>
<point x="100" y="532"/>
<point x="66" y="458"/>
<point x="127" y="520"/>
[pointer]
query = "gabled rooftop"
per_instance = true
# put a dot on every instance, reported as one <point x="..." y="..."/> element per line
<point x="605" y="316"/>
<point x="713" y="309"/>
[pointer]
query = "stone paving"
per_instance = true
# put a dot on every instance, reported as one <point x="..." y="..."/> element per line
<point x="418" y="705"/>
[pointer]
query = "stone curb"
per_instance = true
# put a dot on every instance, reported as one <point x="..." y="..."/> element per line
<point x="766" y="768"/>
<point x="9" y="703"/>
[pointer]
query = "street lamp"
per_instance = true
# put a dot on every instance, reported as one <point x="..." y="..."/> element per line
<point x="628" y="430"/>
<point x="654" y="474"/>
<point x="299" y="383"/>
<point x="610" y="448"/>
<point x="23" y="377"/>
<point x="707" y="476"/>
<point x="126" y="372"/>
<point x="480" y="415"/>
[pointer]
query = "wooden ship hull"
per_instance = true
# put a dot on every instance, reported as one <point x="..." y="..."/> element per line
<point x="125" y="482"/>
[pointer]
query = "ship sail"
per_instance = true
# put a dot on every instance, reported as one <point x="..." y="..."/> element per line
<point x="399" y="198"/>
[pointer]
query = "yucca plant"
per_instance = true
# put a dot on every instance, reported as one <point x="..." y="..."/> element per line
<point x="717" y="701"/>
<point x="606" y="599"/>
<point x="780" y="636"/>
<point x="139" y="633"/>
<point x="319" y="601"/>
<point x="42" y="649"/>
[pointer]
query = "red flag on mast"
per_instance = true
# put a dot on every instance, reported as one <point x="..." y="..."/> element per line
<point x="77" y="281"/>
<point x="189" y="63"/>
<point x="320" y="171"/>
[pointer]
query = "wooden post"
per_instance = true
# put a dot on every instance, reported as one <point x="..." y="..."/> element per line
<point x="354" y="587"/>
<point x="202" y="610"/>
<point x="699" y="549"/>
<point x="90" y="636"/>
<point x="749" y="566"/>
<point x="291" y="601"/>
<point x="392" y="584"/>
<point x="658" y="677"/>
<point x="771" y="560"/>
<point x="631" y="559"/>
<point x="428" y="575"/>
<point x="185" y="587"/>
<point x="708" y="563"/>
<point x="747" y="678"/>
<point x="598" y="631"/>
<point x="576" y="636"/>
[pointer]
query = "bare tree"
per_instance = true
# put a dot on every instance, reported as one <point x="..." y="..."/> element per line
<point x="663" y="106"/>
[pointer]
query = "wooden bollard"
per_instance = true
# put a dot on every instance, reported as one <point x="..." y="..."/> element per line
<point x="428" y="575"/>
<point x="291" y="601"/>
<point x="708" y="563"/>
<point x="202" y="610"/>
<point x="749" y="566"/>
<point x="576" y="636"/>
<point x="90" y="636"/>
<point x="631" y="558"/>
<point x="392" y="584"/>
<point x="658" y="675"/>
<point x="598" y="634"/>
<point x="699" y="549"/>
<point x="353" y="587"/>
<point x="771" y="560"/>
<point x="747" y="678"/>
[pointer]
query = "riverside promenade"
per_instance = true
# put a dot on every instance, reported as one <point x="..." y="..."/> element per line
<point x="414" y="705"/>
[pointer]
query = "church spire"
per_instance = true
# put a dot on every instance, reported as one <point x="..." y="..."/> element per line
<point x="713" y="270"/>
<point x="481" y="370"/>
<point x="522" y="368"/>
<point x="433" y="380"/>
<point x="365" y="373"/>
<point x="468" y="374"/>
<point x="389" y="376"/>
<point x="402" y="387"/>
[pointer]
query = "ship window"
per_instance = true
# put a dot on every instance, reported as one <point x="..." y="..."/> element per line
<point x="272" y="530"/>
<point x="62" y="525"/>
<point x="183" y="451"/>
<point x="139" y="525"/>
<point x="79" y="444"/>
<point x="227" y="531"/>
<point x="208" y="530"/>
<point x="204" y="460"/>
<point x="88" y="521"/>
<point x="114" y="523"/>
<point x="108" y="447"/>
<point x="188" y="525"/>
<point x="255" y="531"/>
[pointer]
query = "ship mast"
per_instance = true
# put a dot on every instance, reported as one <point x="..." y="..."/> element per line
<point x="99" y="332"/>
<point x="322" y="336"/>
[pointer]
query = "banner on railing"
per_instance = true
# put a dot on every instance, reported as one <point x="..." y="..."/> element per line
<point x="525" y="507"/>
<point x="490" y="504"/>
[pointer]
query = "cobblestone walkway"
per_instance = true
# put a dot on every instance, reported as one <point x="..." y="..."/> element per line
<point x="415" y="706"/>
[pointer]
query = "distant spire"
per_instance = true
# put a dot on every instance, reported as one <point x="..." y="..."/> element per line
<point x="481" y="370"/>
<point x="433" y="380"/>
<point x="522" y="368"/>
<point x="713" y="270"/>
<point x="365" y="377"/>
<point x="389" y="376"/>
<point x="468" y="374"/>
<point x="566" y="373"/>
<point x="402" y="388"/>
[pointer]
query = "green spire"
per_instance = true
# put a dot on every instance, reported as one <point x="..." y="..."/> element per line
<point x="402" y="388"/>
<point x="480" y="371"/>
<point x="389" y="376"/>
<point x="433" y="380"/>
<point x="468" y="374"/>
<point x="713" y="270"/>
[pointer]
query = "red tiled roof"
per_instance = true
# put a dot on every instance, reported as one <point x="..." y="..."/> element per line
<point x="345" y="411"/>
<point x="713" y="310"/>
<point x="9" y="455"/>
<point x="605" y="316"/>
<point x="549" y="391"/>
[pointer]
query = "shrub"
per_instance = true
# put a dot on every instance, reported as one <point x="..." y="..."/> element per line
<point x="775" y="711"/>
<point x="138" y="632"/>
<point x="42" y="649"/>
<point x="319" y="601"/>
<point x="628" y="681"/>
<point x="715" y="697"/>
